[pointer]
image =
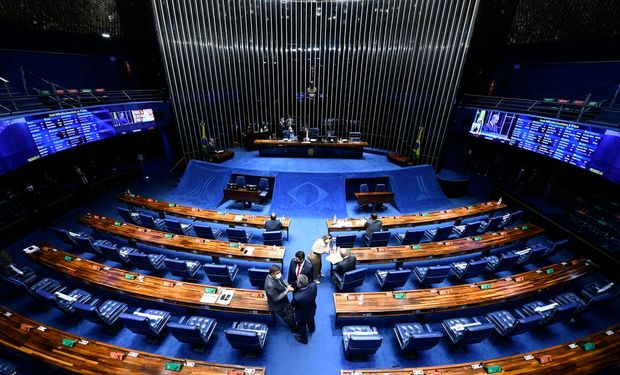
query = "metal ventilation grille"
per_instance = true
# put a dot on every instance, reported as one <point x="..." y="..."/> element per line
<point x="555" y="20"/>
<point x="385" y="68"/>
<point x="75" y="16"/>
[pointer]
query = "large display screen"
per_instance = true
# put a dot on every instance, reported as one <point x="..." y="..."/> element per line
<point x="588" y="147"/>
<point x="25" y="139"/>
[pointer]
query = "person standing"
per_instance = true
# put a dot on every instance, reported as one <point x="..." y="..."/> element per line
<point x="299" y="266"/>
<point x="304" y="302"/>
<point x="277" y="291"/>
<point x="320" y="247"/>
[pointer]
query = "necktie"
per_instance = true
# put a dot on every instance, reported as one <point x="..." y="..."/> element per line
<point x="298" y="269"/>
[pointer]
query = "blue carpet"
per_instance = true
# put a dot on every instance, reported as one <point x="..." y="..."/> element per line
<point x="324" y="353"/>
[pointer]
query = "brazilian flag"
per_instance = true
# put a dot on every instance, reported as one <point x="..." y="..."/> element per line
<point x="415" y="151"/>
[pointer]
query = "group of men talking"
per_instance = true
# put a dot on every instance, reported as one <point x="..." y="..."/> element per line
<point x="302" y="280"/>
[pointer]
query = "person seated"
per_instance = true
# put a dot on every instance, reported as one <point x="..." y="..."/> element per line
<point x="303" y="136"/>
<point x="373" y="224"/>
<point x="289" y="134"/>
<point x="273" y="223"/>
<point x="348" y="263"/>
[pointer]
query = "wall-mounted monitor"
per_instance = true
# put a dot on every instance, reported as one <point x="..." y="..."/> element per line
<point x="588" y="147"/>
<point x="28" y="138"/>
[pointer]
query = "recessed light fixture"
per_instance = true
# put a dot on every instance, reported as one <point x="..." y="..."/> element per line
<point x="105" y="35"/>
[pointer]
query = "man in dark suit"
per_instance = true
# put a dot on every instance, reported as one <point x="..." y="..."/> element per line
<point x="277" y="291"/>
<point x="373" y="224"/>
<point x="348" y="263"/>
<point x="273" y="224"/>
<point x="299" y="266"/>
<point x="304" y="302"/>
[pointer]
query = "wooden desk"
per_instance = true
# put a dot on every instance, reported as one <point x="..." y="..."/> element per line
<point x="410" y="220"/>
<point x="93" y="357"/>
<point x="241" y="194"/>
<point x="402" y="160"/>
<point x="423" y="301"/>
<point x="244" y="301"/>
<point x="564" y="360"/>
<point x="279" y="147"/>
<point x="250" y="137"/>
<point x="219" y="157"/>
<point x="188" y="244"/>
<point x="188" y="212"/>
<point x="374" y="197"/>
<point x="445" y="249"/>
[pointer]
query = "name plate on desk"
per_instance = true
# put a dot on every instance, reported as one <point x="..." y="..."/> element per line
<point x="225" y="297"/>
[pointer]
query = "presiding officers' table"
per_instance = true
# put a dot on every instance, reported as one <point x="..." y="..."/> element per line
<point x="425" y="218"/>
<point x="560" y="359"/>
<point x="188" y="244"/>
<point x="157" y="289"/>
<point x="283" y="148"/>
<point x="82" y="355"/>
<point x="200" y="214"/>
<point x="488" y="292"/>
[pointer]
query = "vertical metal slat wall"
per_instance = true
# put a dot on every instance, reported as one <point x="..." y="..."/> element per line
<point x="382" y="67"/>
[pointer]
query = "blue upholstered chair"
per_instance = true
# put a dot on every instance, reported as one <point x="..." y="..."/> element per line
<point x="392" y="278"/>
<point x="263" y="186"/>
<point x="410" y="237"/>
<point x="257" y="277"/>
<point x="602" y="290"/>
<point x="149" y="221"/>
<point x="151" y="262"/>
<point x="240" y="181"/>
<point x="467" y="330"/>
<point x="64" y="299"/>
<point x="176" y="226"/>
<point x="355" y="136"/>
<point x="492" y="224"/>
<point x="47" y="284"/>
<point x="66" y="236"/>
<point x="220" y="273"/>
<point x="380" y="188"/>
<point x="128" y="216"/>
<point x="113" y="252"/>
<point x="512" y="218"/>
<point x="205" y="231"/>
<point x="105" y="314"/>
<point x="364" y="188"/>
<point x="150" y="322"/>
<point x="313" y="133"/>
<point x="196" y="330"/>
<point x="238" y="235"/>
<point x="18" y="275"/>
<point x="380" y="238"/>
<point x="466" y="270"/>
<point x="183" y="268"/>
<point x="273" y="238"/>
<point x="249" y="336"/>
<point x="537" y="253"/>
<point x="570" y="297"/>
<point x="413" y="337"/>
<point x="346" y="241"/>
<point x="87" y="243"/>
<point x="558" y="312"/>
<point x="351" y="279"/>
<point x="361" y="340"/>
<point x="508" y="324"/>
<point x="431" y="275"/>
<point x="544" y="310"/>
<point x="501" y="262"/>
<point x="7" y="368"/>
<point x="466" y="230"/>
<point x="440" y="233"/>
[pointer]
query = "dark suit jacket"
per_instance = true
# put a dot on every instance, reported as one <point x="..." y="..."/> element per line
<point x="372" y="226"/>
<point x="276" y="294"/>
<point x="347" y="264"/>
<point x="304" y="302"/>
<point x="307" y="270"/>
<point x="272" y="225"/>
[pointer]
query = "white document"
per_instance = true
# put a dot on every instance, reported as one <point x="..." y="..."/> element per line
<point x="208" y="298"/>
<point x="334" y="257"/>
<point x="238" y="218"/>
<point x="225" y="297"/>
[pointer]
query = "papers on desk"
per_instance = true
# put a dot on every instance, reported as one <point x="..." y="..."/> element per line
<point x="334" y="257"/>
<point x="31" y="249"/>
<point x="208" y="298"/>
<point x="341" y="223"/>
<point x="249" y="250"/>
<point x="225" y="297"/>
<point x="359" y="222"/>
<point x="238" y="218"/>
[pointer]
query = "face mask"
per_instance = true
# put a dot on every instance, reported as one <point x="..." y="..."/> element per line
<point x="278" y="276"/>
